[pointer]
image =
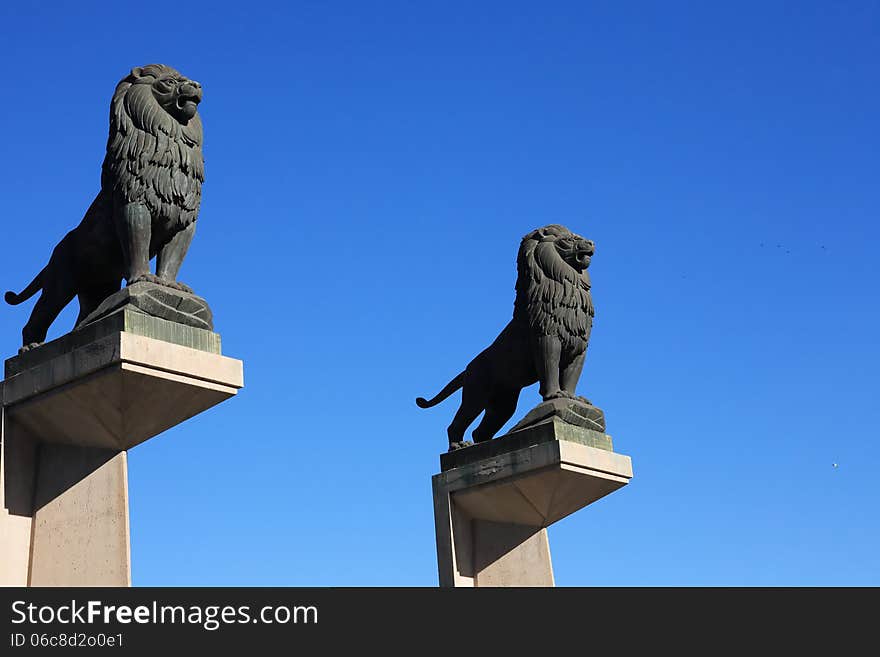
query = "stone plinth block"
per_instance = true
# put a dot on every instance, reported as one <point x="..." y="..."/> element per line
<point x="491" y="511"/>
<point x="571" y="411"/>
<point x="157" y="301"/>
<point x="71" y="410"/>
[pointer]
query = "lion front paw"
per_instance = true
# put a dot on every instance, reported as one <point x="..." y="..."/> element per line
<point x="559" y="394"/>
<point x="26" y="348"/>
<point x="146" y="278"/>
<point x="158" y="280"/>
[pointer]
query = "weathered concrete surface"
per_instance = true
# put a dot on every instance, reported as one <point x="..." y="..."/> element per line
<point x="511" y="555"/>
<point x="126" y="320"/>
<point x="80" y="523"/>
<point x="491" y="514"/>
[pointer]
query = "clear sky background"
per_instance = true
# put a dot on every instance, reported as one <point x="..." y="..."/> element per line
<point x="371" y="168"/>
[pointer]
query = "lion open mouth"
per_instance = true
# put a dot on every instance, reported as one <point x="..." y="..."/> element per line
<point x="583" y="258"/>
<point x="187" y="102"/>
<point x="583" y="254"/>
<point x="187" y="106"/>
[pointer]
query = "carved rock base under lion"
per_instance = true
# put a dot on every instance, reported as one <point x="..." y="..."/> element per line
<point x="157" y="301"/>
<point x="571" y="411"/>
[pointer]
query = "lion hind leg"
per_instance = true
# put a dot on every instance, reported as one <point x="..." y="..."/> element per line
<point x="468" y="411"/>
<point x="499" y="411"/>
<point x="48" y="307"/>
<point x="89" y="300"/>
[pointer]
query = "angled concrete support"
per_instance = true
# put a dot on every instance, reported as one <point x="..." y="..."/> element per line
<point x="70" y="414"/>
<point x="494" y="501"/>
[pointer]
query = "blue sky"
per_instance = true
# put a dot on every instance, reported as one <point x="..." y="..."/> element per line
<point x="371" y="168"/>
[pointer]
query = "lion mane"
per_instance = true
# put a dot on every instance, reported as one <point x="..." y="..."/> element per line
<point x="552" y="297"/>
<point x="152" y="158"/>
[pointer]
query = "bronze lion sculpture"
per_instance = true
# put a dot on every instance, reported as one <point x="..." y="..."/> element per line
<point x="151" y="187"/>
<point x="545" y="342"/>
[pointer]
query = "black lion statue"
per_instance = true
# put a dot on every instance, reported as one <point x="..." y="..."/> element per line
<point x="151" y="187"/>
<point x="546" y="341"/>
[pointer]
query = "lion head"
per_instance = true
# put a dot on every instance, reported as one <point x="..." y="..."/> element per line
<point x="154" y="150"/>
<point x="553" y="286"/>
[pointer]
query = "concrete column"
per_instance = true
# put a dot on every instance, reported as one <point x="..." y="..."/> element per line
<point x="507" y="554"/>
<point x="17" y="468"/>
<point x="493" y="502"/>
<point x="80" y="518"/>
<point x="71" y="411"/>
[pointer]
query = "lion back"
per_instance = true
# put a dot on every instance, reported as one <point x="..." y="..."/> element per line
<point x="151" y="158"/>
<point x="552" y="297"/>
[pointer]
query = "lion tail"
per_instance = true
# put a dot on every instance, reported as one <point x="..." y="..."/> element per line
<point x="451" y="387"/>
<point x="14" y="299"/>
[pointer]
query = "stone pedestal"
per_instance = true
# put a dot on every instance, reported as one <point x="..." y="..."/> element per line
<point x="71" y="410"/>
<point x="494" y="501"/>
